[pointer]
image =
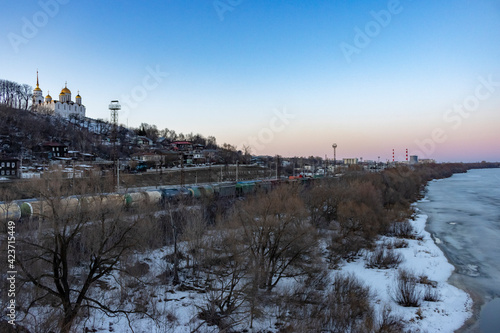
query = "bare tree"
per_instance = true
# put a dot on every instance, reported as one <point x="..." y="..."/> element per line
<point x="211" y="142"/>
<point x="228" y="154"/>
<point x="194" y="236"/>
<point x="246" y="154"/>
<point x="147" y="130"/>
<point x="78" y="243"/>
<point x="360" y="217"/>
<point x="27" y="92"/>
<point x="278" y="237"/>
<point x="170" y="135"/>
<point x="226" y="266"/>
<point x="322" y="201"/>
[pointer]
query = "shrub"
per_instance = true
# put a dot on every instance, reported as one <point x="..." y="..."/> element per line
<point x="402" y="229"/>
<point x="395" y="244"/>
<point x="345" y="308"/>
<point x="424" y="279"/>
<point x="383" y="259"/>
<point x="348" y="303"/>
<point x="400" y="244"/>
<point x="406" y="292"/>
<point x="431" y="294"/>
<point x="389" y="323"/>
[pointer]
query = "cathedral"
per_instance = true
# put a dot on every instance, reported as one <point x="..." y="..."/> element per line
<point x="64" y="107"/>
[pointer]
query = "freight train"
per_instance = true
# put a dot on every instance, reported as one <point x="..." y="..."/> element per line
<point x="21" y="209"/>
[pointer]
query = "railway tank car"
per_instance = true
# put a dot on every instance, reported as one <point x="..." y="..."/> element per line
<point x="154" y="196"/>
<point x="173" y="194"/>
<point x="200" y="191"/>
<point x="30" y="208"/>
<point x="9" y="211"/>
<point x="135" y="199"/>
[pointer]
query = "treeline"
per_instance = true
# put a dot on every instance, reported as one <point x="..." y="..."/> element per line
<point x="360" y="205"/>
<point x="15" y="95"/>
<point x="152" y="132"/>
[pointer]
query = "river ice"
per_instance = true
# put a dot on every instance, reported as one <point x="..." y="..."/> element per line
<point x="464" y="219"/>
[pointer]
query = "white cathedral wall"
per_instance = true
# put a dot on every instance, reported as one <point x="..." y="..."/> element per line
<point x="65" y="110"/>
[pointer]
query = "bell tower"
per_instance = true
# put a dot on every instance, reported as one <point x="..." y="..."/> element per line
<point x="37" y="93"/>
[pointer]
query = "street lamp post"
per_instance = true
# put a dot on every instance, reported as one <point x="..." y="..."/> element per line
<point x="334" y="146"/>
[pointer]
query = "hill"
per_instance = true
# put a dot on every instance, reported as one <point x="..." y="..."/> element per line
<point x="24" y="132"/>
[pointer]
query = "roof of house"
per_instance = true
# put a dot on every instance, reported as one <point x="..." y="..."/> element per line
<point x="53" y="144"/>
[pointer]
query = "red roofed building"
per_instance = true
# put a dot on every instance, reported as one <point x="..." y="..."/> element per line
<point x="182" y="146"/>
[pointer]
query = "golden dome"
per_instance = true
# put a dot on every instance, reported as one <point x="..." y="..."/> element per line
<point x="48" y="96"/>
<point x="61" y="94"/>
<point x="78" y="96"/>
<point x="65" y="89"/>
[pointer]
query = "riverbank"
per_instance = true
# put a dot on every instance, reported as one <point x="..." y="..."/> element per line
<point x="422" y="257"/>
<point x="471" y="325"/>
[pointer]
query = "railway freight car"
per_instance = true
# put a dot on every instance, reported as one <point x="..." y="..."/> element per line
<point x="45" y="208"/>
<point x="225" y="190"/>
<point x="9" y="211"/>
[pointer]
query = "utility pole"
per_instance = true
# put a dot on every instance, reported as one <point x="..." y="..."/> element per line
<point x="334" y="146"/>
<point x="237" y="165"/>
<point x="20" y="174"/>
<point x="73" y="177"/>
<point x="209" y="169"/>
<point x="278" y="167"/>
<point x="182" y="168"/>
<point x="325" y="166"/>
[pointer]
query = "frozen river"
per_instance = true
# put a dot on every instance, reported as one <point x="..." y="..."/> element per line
<point x="464" y="219"/>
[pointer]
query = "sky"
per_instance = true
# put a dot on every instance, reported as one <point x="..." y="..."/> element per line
<point x="282" y="77"/>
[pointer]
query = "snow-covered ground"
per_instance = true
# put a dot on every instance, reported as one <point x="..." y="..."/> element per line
<point x="422" y="256"/>
<point x="176" y="309"/>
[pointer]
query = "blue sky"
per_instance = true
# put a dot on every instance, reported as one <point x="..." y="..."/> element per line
<point x="280" y="76"/>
